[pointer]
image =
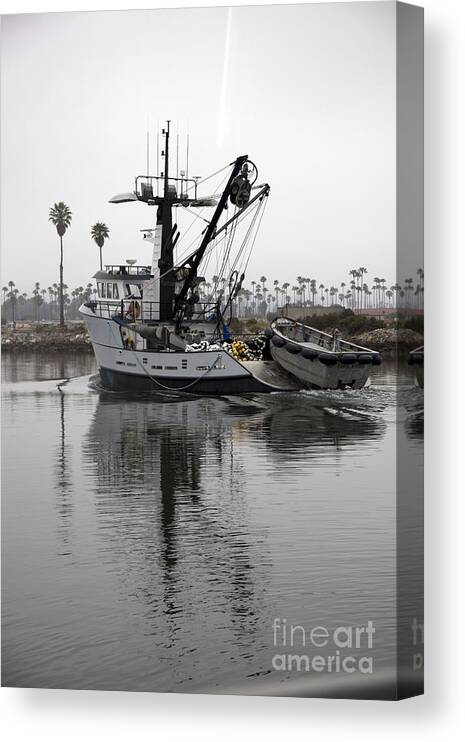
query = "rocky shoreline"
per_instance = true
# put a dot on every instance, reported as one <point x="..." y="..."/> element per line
<point x="388" y="340"/>
<point x="46" y="338"/>
<point x="55" y="339"/>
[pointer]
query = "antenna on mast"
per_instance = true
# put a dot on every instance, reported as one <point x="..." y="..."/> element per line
<point x="165" y="154"/>
<point x="158" y="159"/>
<point x="158" y="153"/>
<point x="187" y="158"/>
<point x="148" y="154"/>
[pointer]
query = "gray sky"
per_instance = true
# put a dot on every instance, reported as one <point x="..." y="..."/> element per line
<point x="307" y="91"/>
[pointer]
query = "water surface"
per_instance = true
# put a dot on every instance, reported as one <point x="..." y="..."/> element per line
<point x="150" y="544"/>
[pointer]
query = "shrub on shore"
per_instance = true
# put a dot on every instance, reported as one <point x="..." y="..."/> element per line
<point x="354" y="324"/>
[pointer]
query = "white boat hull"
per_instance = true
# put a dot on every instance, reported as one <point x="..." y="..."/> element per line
<point x="141" y="370"/>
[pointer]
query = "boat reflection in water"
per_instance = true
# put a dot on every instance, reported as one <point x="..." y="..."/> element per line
<point x="186" y="498"/>
<point x="170" y="506"/>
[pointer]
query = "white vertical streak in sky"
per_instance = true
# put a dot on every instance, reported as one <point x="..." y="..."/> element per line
<point x="224" y="81"/>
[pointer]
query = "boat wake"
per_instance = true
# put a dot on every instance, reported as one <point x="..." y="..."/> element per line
<point x="74" y="385"/>
<point x="390" y="403"/>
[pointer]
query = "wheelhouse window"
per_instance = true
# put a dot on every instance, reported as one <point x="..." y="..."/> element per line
<point x="108" y="290"/>
<point x="134" y="289"/>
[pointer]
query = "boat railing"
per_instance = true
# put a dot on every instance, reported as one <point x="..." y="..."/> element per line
<point x="304" y="334"/>
<point x="149" y="187"/>
<point x="128" y="270"/>
<point x="139" y="310"/>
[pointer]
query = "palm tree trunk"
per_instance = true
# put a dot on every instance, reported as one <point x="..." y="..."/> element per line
<point x="62" y="311"/>
<point x="101" y="268"/>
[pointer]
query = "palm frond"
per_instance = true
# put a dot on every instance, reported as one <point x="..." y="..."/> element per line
<point x="61" y="216"/>
<point x="99" y="233"/>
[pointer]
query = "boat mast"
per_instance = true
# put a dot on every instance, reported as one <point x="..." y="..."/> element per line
<point x="165" y="219"/>
<point x="241" y="179"/>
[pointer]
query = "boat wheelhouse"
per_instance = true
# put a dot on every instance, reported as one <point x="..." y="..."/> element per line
<point x="119" y="282"/>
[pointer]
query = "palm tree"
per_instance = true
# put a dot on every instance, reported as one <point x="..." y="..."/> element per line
<point x="308" y="283"/>
<point x="60" y="215"/>
<point x="276" y="291"/>
<point x="313" y="290"/>
<point x="11" y="285"/>
<point x="248" y="296"/>
<point x="356" y="275"/>
<point x="300" y="284"/>
<point x="408" y="288"/>
<point x="361" y="272"/>
<point x="44" y="292"/>
<point x="12" y="295"/>
<point x="36" y="301"/>
<point x="21" y="302"/>
<point x="99" y="233"/>
<point x="366" y="293"/>
<point x="88" y="291"/>
<point x="377" y="289"/>
<point x="383" y="291"/>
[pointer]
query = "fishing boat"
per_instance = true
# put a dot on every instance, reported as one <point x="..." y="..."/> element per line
<point x="416" y="359"/>
<point x="317" y="359"/>
<point x="153" y="327"/>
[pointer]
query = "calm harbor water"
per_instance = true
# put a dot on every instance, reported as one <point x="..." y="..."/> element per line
<point x="151" y="544"/>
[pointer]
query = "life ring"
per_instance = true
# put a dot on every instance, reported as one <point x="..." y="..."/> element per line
<point x="134" y="310"/>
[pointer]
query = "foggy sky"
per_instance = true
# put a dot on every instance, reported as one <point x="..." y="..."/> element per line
<point x="308" y="92"/>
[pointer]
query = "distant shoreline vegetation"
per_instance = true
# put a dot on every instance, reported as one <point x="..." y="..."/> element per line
<point x="262" y="299"/>
<point x="356" y="294"/>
